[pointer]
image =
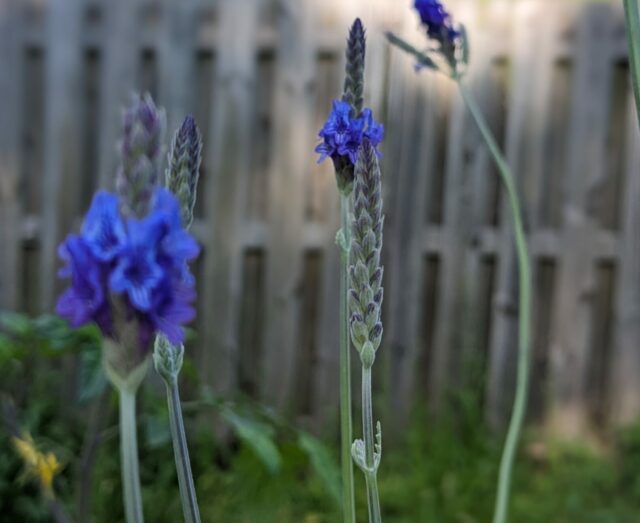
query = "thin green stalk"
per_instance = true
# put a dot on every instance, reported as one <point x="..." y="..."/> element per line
<point x="373" y="499"/>
<point x="129" y="457"/>
<point x="520" y="401"/>
<point x="181" y="454"/>
<point x="632" y="14"/>
<point x="346" y="429"/>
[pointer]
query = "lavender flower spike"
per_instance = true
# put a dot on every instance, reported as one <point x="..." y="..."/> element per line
<point x="141" y="151"/>
<point x="365" y="300"/>
<point x="365" y="303"/>
<point x="353" y="92"/>
<point x="181" y="177"/>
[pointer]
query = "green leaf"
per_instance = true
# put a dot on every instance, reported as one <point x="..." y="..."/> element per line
<point x="258" y="436"/>
<point x="9" y="350"/>
<point x="423" y="59"/>
<point x="15" y="323"/>
<point x="465" y="45"/>
<point x="157" y="430"/>
<point x="92" y="379"/>
<point x="323" y="464"/>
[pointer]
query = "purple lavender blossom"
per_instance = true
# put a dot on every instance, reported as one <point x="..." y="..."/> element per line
<point x="438" y="21"/>
<point x="342" y="134"/>
<point x="138" y="264"/>
<point x="440" y="27"/>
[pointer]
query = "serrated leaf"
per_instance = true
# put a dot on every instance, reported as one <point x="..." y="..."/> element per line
<point x="258" y="436"/>
<point x="323" y="464"/>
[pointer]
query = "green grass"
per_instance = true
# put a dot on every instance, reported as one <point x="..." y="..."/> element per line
<point x="440" y="473"/>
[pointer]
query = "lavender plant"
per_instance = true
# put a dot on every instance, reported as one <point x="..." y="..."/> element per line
<point x="448" y="53"/>
<point x="365" y="303"/>
<point x="341" y="135"/>
<point x="129" y="275"/>
<point x="181" y="178"/>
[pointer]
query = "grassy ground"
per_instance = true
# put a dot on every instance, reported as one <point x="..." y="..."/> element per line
<point x="440" y="475"/>
<point x="272" y="472"/>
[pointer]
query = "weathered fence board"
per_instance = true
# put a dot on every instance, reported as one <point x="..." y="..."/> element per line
<point x="570" y="343"/>
<point x="225" y="190"/>
<point x="61" y="138"/>
<point x="259" y="76"/>
<point x="10" y="120"/>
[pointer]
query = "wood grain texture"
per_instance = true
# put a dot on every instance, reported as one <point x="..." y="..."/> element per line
<point x="259" y="76"/>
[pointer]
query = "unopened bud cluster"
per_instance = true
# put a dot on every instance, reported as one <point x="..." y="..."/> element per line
<point x="141" y="154"/>
<point x="366" y="292"/>
<point x="182" y="175"/>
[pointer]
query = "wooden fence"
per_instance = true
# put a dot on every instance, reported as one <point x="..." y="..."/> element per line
<point x="259" y="76"/>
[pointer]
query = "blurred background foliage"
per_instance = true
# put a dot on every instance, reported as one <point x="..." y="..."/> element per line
<point x="251" y="465"/>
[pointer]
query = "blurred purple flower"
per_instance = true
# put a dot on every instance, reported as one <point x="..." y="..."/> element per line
<point x="141" y="263"/>
<point x="438" y="21"/>
<point x="141" y="155"/>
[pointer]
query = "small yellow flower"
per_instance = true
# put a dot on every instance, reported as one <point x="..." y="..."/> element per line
<point x="38" y="465"/>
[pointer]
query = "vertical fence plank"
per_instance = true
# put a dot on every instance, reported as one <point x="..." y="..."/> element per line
<point x="447" y="353"/>
<point x="177" y="62"/>
<point x="476" y="200"/>
<point x="625" y="367"/>
<point x="225" y="191"/>
<point x="61" y="136"/>
<point x="292" y="142"/>
<point x="402" y="100"/>
<point x="10" y="126"/>
<point x="326" y="378"/>
<point x="412" y="114"/>
<point x="532" y="40"/>
<point x="572" y="326"/>
<point x="121" y="55"/>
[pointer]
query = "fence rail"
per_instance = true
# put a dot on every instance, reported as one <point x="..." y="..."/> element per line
<point x="259" y="76"/>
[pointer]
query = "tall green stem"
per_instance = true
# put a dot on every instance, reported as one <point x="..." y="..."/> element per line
<point x="181" y="454"/>
<point x="346" y="429"/>
<point x="129" y="456"/>
<point x="632" y="14"/>
<point x="373" y="499"/>
<point x="520" y="401"/>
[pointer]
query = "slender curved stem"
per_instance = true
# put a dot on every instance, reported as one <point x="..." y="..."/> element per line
<point x="520" y="401"/>
<point x="129" y="457"/>
<point x="346" y="429"/>
<point x="373" y="499"/>
<point x="632" y="14"/>
<point x="181" y="454"/>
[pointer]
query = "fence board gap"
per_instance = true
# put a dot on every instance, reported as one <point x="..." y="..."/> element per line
<point x="600" y="340"/>
<point x="251" y="325"/>
<point x="306" y="354"/>
<point x="544" y="285"/>
<point x="205" y="82"/>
